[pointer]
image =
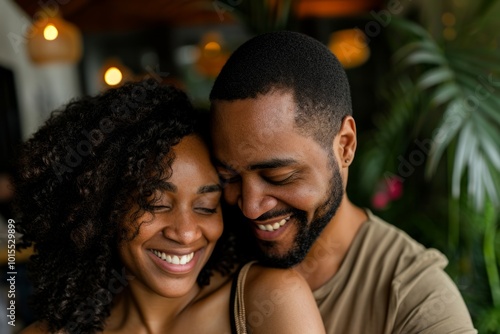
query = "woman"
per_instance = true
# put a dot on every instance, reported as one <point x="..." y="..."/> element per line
<point x="118" y="196"/>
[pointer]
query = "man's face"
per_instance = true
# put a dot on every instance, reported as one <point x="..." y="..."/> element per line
<point x="286" y="184"/>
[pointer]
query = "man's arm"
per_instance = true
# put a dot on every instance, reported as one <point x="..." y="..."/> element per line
<point x="430" y="303"/>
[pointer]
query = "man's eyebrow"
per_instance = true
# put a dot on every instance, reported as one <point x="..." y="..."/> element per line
<point x="269" y="164"/>
<point x="209" y="189"/>
<point x="273" y="163"/>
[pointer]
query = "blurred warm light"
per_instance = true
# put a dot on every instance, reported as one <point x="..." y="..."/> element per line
<point x="331" y="8"/>
<point x="114" y="73"/>
<point x="212" y="56"/>
<point x="113" y="76"/>
<point x="54" y="40"/>
<point x="350" y="47"/>
<point x="212" y="47"/>
<point x="50" y="32"/>
<point x="448" y="19"/>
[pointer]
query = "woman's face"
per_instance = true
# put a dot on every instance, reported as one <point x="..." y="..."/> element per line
<point x="177" y="238"/>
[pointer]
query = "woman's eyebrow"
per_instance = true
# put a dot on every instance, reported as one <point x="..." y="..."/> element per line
<point x="209" y="189"/>
<point x="168" y="186"/>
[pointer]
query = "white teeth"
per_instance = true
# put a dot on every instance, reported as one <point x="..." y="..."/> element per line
<point x="174" y="259"/>
<point x="273" y="227"/>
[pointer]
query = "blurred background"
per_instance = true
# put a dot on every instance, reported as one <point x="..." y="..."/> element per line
<point x="425" y="81"/>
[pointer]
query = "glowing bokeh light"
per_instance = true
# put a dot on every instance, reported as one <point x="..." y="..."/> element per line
<point x="50" y="32"/>
<point x="113" y="76"/>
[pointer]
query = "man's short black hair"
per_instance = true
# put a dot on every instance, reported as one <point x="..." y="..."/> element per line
<point x="294" y="62"/>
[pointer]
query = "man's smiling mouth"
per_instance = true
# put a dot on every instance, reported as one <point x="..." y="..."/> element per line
<point x="273" y="227"/>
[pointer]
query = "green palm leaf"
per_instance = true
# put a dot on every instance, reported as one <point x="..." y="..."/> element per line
<point x="461" y="86"/>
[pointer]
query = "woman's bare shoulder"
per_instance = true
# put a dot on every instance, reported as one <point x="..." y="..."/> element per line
<point x="280" y="301"/>
<point x="265" y="280"/>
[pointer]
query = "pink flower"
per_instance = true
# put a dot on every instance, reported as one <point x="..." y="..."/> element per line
<point x="388" y="190"/>
<point x="380" y="200"/>
<point x="394" y="188"/>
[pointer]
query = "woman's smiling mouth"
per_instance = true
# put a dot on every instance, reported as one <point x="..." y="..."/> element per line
<point x="173" y="259"/>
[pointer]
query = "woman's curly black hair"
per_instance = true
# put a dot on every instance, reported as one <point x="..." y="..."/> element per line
<point x="77" y="178"/>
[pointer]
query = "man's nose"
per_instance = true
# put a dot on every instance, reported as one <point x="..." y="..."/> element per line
<point x="254" y="200"/>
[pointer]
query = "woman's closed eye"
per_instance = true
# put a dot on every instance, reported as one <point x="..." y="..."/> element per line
<point x="206" y="211"/>
<point x="207" y="204"/>
<point x="159" y="208"/>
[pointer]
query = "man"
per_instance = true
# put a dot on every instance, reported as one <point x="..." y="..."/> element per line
<point x="283" y="140"/>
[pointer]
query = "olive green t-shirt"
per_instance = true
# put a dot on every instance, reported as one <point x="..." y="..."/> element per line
<point x="389" y="283"/>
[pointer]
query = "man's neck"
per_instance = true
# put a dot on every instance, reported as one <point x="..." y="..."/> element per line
<point x="327" y="253"/>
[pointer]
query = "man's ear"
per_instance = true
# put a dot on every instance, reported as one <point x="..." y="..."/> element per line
<point x="347" y="141"/>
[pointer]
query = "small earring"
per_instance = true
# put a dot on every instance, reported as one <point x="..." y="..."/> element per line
<point x="346" y="161"/>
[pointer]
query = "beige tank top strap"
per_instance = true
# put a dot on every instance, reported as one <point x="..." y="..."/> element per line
<point x="239" y="304"/>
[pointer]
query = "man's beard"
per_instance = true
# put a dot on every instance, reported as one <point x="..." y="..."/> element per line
<point x="307" y="234"/>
